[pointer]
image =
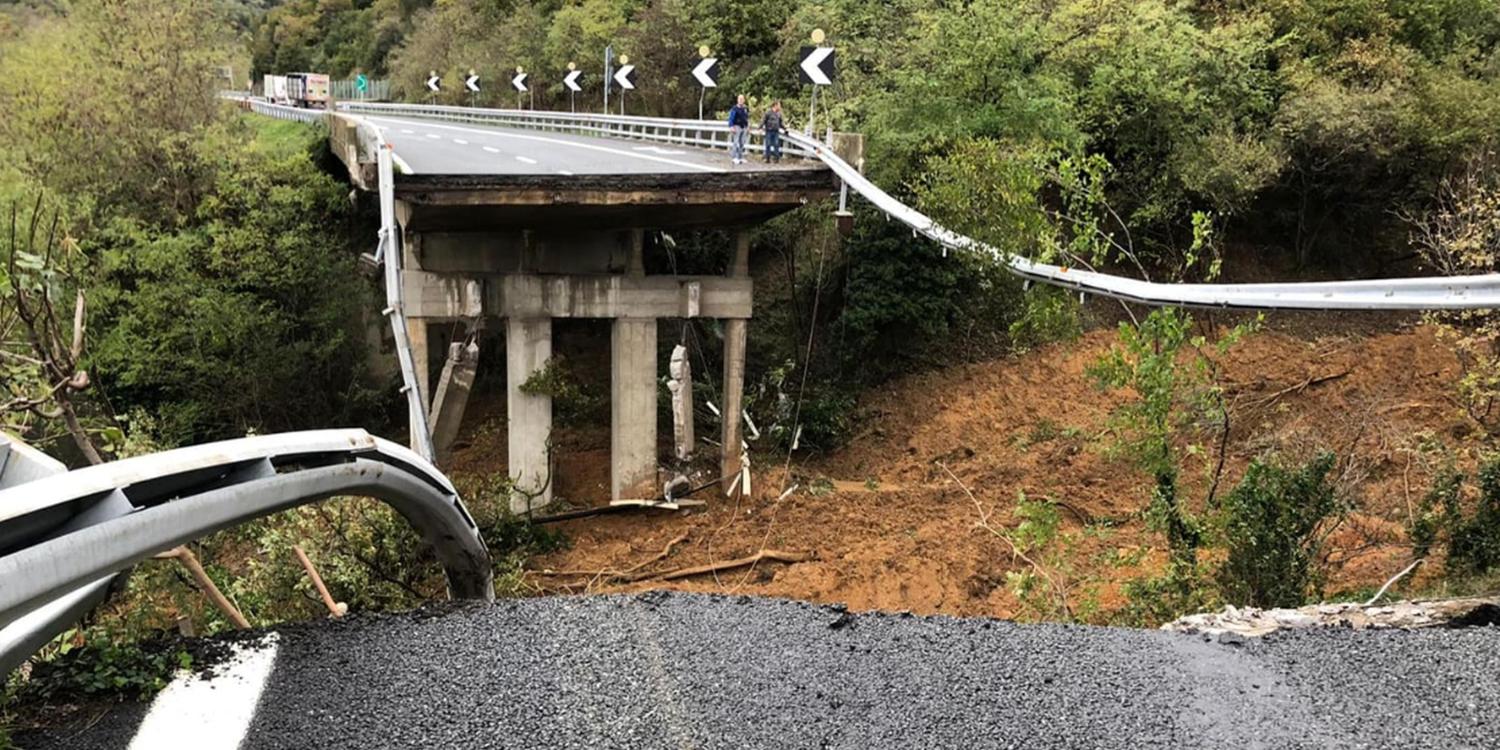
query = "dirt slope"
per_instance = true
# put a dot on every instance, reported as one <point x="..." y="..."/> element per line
<point x="891" y="530"/>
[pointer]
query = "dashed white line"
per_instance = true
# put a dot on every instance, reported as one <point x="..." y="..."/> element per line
<point x="460" y="141"/>
<point x="528" y="161"/>
<point x="565" y="173"/>
<point x="492" y="149"/>
<point x="408" y="132"/>
<point x="433" y="136"/>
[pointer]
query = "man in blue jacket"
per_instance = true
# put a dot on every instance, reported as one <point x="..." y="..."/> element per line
<point x="739" y="129"/>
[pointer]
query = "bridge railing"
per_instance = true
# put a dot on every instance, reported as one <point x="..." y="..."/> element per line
<point x="283" y="112"/>
<point x="713" y="134"/>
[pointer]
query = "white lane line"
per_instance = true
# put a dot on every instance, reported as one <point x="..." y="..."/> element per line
<point x="460" y="141"/>
<point x="565" y="173"/>
<point x="492" y="149"/>
<point x="433" y="136"/>
<point x="659" y="150"/>
<point x="528" y="161"/>
<point x="560" y="142"/>
<point x="401" y="164"/>
<point x="212" y="713"/>
<point x="408" y="132"/>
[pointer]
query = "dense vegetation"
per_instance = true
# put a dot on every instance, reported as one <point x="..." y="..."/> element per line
<point x="1170" y="139"/>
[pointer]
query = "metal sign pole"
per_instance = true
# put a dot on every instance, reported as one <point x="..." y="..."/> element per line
<point x="703" y="94"/>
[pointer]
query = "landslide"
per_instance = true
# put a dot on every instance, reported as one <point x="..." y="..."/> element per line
<point x="892" y="530"/>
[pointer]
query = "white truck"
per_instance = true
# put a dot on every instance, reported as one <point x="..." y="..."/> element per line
<point x="307" y="90"/>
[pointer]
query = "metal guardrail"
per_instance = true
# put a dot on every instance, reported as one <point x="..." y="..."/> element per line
<point x="283" y="112"/>
<point x="1428" y="293"/>
<point x="64" y="537"/>
<point x="712" y="134"/>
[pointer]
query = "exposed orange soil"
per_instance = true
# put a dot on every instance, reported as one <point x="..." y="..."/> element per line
<point x="892" y="531"/>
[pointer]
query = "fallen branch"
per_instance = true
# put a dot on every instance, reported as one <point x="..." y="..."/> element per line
<point x="1298" y="388"/>
<point x="206" y="584"/>
<point x="1394" y="579"/>
<point x="627" y="575"/>
<point x="765" y="554"/>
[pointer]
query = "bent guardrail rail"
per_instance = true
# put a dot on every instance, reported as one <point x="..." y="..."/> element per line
<point x="63" y="537"/>
<point x="1426" y="293"/>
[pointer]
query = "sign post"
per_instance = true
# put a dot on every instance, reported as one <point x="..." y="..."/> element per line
<point x="519" y="82"/>
<point x="472" y="84"/>
<point x="707" y="73"/>
<point x="609" y="73"/>
<point x="571" y="81"/>
<point x="625" y="76"/>
<point x="816" y="68"/>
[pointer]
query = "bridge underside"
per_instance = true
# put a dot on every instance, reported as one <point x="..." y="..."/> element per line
<point x="521" y="250"/>
<point x="656" y="201"/>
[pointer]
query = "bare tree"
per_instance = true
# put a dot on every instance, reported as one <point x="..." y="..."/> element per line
<point x="41" y="341"/>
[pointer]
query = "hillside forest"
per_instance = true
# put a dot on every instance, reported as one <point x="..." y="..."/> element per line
<point x="174" y="270"/>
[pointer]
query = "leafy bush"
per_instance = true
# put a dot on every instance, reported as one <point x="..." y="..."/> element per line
<point x="1474" y="538"/>
<point x="103" y="668"/>
<point x="1274" y="525"/>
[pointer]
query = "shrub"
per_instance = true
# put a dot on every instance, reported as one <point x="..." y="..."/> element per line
<point x="103" y="668"/>
<point x="1274" y="525"/>
<point x="1474" y="538"/>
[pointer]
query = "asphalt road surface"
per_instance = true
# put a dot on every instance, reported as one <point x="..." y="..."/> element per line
<point x="690" y="671"/>
<point x="436" y="147"/>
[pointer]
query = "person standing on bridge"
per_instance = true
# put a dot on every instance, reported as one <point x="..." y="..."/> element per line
<point x="774" y="124"/>
<point x="739" y="129"/>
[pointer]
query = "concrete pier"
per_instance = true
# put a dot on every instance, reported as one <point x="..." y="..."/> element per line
<point x="528" y="349"/>
<point x="632" y="400"/>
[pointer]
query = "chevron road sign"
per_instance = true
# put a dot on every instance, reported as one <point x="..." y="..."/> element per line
<point x="472" y="83"/>
<point x="434" y="83"/>
<point x="625" y="76"/>
<point x="707" y="72"/>
<point x="571" y="81"/>
<point x="519" y="82"/>
<point x="817" y="66"/>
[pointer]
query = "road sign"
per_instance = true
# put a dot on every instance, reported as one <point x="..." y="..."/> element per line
<point x="625" y="76"/>
<point x="361" y="83"/>
<point x="519" y="82"/>
<point x="434" y="83"/>
<point x="707" y="72"/>
<point x="571" y="81"/>
<point x="817" y="66"/>
<point x="472" y="83"/>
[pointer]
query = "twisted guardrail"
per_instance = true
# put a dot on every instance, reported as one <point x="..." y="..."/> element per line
<point x="63" y="538"/>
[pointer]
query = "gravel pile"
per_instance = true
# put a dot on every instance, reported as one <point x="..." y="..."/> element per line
<point x="693" y="671"/>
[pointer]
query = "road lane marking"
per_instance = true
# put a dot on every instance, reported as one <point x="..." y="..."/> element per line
<point x="433" y="136"/>
<point x="460" y="141"/>
<point x="492" y="149"/>
<point x="659" y="150"/>
<point x="559" y="141"/>
<point x="408" y="132"/>
<point x="214" y="711"/>
<point x="401" y="164"/>
<point x="565" y="173"/>
<point x="528" y="161"/>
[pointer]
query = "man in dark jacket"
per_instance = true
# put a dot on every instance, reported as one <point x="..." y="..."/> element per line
<point x="739" y="129"/>
<point x="774" y="124"/>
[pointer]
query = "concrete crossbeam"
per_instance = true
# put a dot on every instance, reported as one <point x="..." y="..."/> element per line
<point x="451" y="297"/>
<point x="633" y="409"/>
<point x="528" y="348"/>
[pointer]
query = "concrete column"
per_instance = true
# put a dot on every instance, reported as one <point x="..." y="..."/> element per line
<point x="416" y="335"/>
<point x="632" y="433"/>
<point x="735" y="332"/>
<point x="528" y="347"/>
<point x="452" y="396"/>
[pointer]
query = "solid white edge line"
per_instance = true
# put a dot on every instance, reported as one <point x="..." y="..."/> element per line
<point x="401" y="163"/>
<point x="210" y="712"/>
<point x="558" y="141"/>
